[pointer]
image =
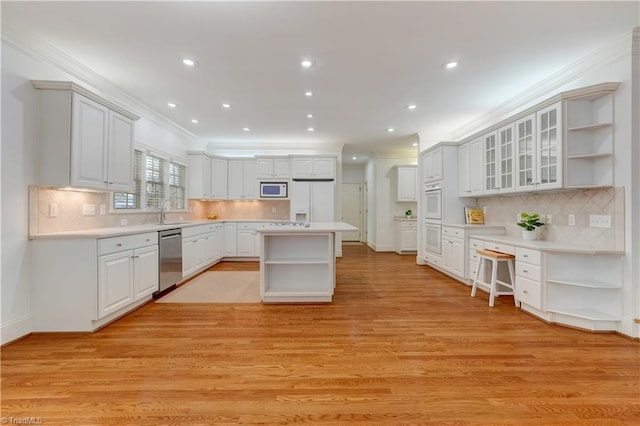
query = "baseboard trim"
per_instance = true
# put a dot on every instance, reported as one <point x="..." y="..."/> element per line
<point x="15" y="329"/>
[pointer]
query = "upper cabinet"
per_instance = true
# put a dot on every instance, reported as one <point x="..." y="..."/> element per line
<point x="432" y="165"/>
<point x="199" y="179"/>
<point x="84" y="141"/>
<point x="470" y="168"/>
<point x="219" y="178"/>
<point x="405" y="180"/>
<point x="564" y="142"/>
<point x="242" y="183"/>
<point x="273" y="168"/>
<point x="313" y="168"/>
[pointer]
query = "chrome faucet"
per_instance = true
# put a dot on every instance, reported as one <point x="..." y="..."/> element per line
<point x="163" y="213"/>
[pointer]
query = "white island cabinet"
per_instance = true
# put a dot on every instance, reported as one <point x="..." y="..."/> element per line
<point x="298" y="261"/>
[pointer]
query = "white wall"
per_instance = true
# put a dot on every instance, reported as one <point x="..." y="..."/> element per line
<point x="19" y="144"/>
<point x="353" y="174"/>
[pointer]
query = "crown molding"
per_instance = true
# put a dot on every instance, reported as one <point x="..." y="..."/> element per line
<point x="600" y="58"/>
<point x="44" y="52"/>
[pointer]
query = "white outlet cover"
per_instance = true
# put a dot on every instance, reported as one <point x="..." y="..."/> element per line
<point x="88" y="209"/>
<point x="53" y="210"/>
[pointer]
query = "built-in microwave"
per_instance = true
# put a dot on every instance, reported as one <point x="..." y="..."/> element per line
<point x="274" y="189"/>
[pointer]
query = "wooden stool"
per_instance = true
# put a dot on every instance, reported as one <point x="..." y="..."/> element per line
<point x="495" y="258"/>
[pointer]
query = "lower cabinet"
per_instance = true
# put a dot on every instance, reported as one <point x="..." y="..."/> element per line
<point x="126" y="277"/>
<point x="230" y="240"/>
<point x="248" y="239"/>
<point x="201" y="247"/>
<point x="406" y="236"/>
<point x="453" y="258"/>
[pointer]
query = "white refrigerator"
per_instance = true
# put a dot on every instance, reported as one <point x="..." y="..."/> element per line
<point x="312" y="201"/>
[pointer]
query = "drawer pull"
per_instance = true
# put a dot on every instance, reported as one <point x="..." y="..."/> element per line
<point x="525" y="292"/>
<point x="525" y="256"/>
<point x="119" y="245"/>
<point x="135" y="257"/>
<point x="525" y="271"/>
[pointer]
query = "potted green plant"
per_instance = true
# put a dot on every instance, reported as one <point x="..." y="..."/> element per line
<point x="529" y="224"/>
<point x="408" y="214"/>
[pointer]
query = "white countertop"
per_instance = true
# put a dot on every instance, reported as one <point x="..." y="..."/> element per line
<point x="404" y="218"/>
<point x="307" y="228"/>
<point x="548" y="246"/>
<point x="118" y="231"/>
<point x="474" y="226"/>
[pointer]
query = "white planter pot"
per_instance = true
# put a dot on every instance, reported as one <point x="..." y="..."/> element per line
<point x="530" y="235"/>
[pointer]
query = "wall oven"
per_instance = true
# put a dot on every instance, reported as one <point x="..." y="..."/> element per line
<point x="433" y="236"/>
<point x="433" y="201"/>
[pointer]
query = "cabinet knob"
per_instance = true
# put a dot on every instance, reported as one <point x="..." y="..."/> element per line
<point x="525" y="256"/>
<point x="525" y="271"/>
<point x="119" y="245"/>
<point x="525" y="292"/>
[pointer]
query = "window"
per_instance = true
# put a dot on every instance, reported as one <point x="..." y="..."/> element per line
<point x="155" y="178"/>
<point x="177" y="176"/>
<point x="155" y="170"/>
<point x="131" y="200"/>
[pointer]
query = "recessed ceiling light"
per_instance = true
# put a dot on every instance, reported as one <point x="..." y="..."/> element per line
<point x="194" y="121"/>
<point x="189" y="62"/>
<point x="306" y="63"/>
<point x="451" y="65"/>
<point x="414" y="144"/>
<point x="308" y="94"/>
<point x="311" y="129"/>
<point x="390" y="129"/>
<point x="225" y="105"/>
<point x="353" y="158"/>
<point x="171" y="105"/>
<point x="411" y="106"/>
<point x="309" y="115"/>
<point x="246" y="129"/>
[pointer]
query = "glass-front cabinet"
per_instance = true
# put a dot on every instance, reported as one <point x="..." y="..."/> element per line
<point x="525" y="153"/>
<point x="505" y="155"/>
<point x="490" y="163"/>
<point x="549" y="137"/>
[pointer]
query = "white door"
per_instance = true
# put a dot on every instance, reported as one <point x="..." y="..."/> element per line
<point x="352" y="210"/>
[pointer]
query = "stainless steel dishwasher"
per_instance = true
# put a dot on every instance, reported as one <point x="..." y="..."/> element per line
<point x="170" y="259"/>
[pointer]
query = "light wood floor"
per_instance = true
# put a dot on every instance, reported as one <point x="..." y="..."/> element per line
<point x="401" y="344"/>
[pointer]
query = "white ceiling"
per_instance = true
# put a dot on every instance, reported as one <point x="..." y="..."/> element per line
<point x="371" y="60"/>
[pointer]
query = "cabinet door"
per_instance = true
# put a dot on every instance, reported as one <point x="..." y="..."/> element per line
<point x="463" y="170"/>
<point x="475" y="166"/>
<point x="505" y="159"/>
<point x="246" y="243"/>
<point x="199" y="176"/>
<point x="230" y="240"/>
<point x="120" y="152"/>
<point x="219" y="179"/>
<point x="265" y="168"/>
<point x="145" y="271"/>
<point x="526" y="153"/>
<point x="250" y="185"/>
<point x="281" y="168"/>
<point x="88" y="143"/>
<point x="408" y="239"/>
<point x="115" y="282"/>
<point x="406" y="184"/>
<point x="210" y="250"/>
<point x="219" y="242"/>
<point x="200" y="252"/>
<point x="457" y="261"/>
<point x="236" y="189"/>
<point x="188" y="256"/>
<point x="302" y="167"/>
<point x="549" y="149"/>
<point x="324" y="168"/>
<point x="490" y="163"/>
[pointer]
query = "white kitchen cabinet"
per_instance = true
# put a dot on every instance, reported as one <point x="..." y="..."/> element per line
<point x="84" y="141"/>
<point x="127" y="271"/>
<point x="230" y="239"/>
<point x="526" y="174"/>
<point x="242" y="181"/>
<point x="248" y="239"/>
<point x="219" y="178"/>
<point x="549" y="147"/>
<point x="199" y="176"/>
<point x="453" y="251"/>
<point x="528" y="272"/>
<point x="313" y="167"/>
<point x="506" y="170"/>
<point x="200" y="247"/>
<point x="405" y="182"/>
<point x="432" y="165"/>
<point x="273" y="168"/>
<point x="470" y="182"/>
<point x="406" y="236"/>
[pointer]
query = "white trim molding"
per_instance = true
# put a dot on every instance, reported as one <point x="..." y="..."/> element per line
<point x="15" y="329"/>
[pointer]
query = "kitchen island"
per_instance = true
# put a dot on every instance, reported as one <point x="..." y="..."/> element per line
<point x="298" y="261"/>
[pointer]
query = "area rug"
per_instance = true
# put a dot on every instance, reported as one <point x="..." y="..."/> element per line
<point x="218" y="287"/>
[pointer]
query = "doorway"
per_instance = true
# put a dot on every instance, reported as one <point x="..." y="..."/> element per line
<point x="352" y="210"/>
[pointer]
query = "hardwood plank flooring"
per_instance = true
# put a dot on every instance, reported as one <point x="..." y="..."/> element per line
<point x="400" y="344"/>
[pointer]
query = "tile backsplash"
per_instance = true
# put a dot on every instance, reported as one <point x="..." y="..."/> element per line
<point x="70" y="206"/>
<point x="503" y="211"/>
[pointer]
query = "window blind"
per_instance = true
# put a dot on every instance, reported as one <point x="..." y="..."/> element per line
<point x="177" y="176"/>
<point x="155" y="172"/>
<point x="131" y="200"/>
